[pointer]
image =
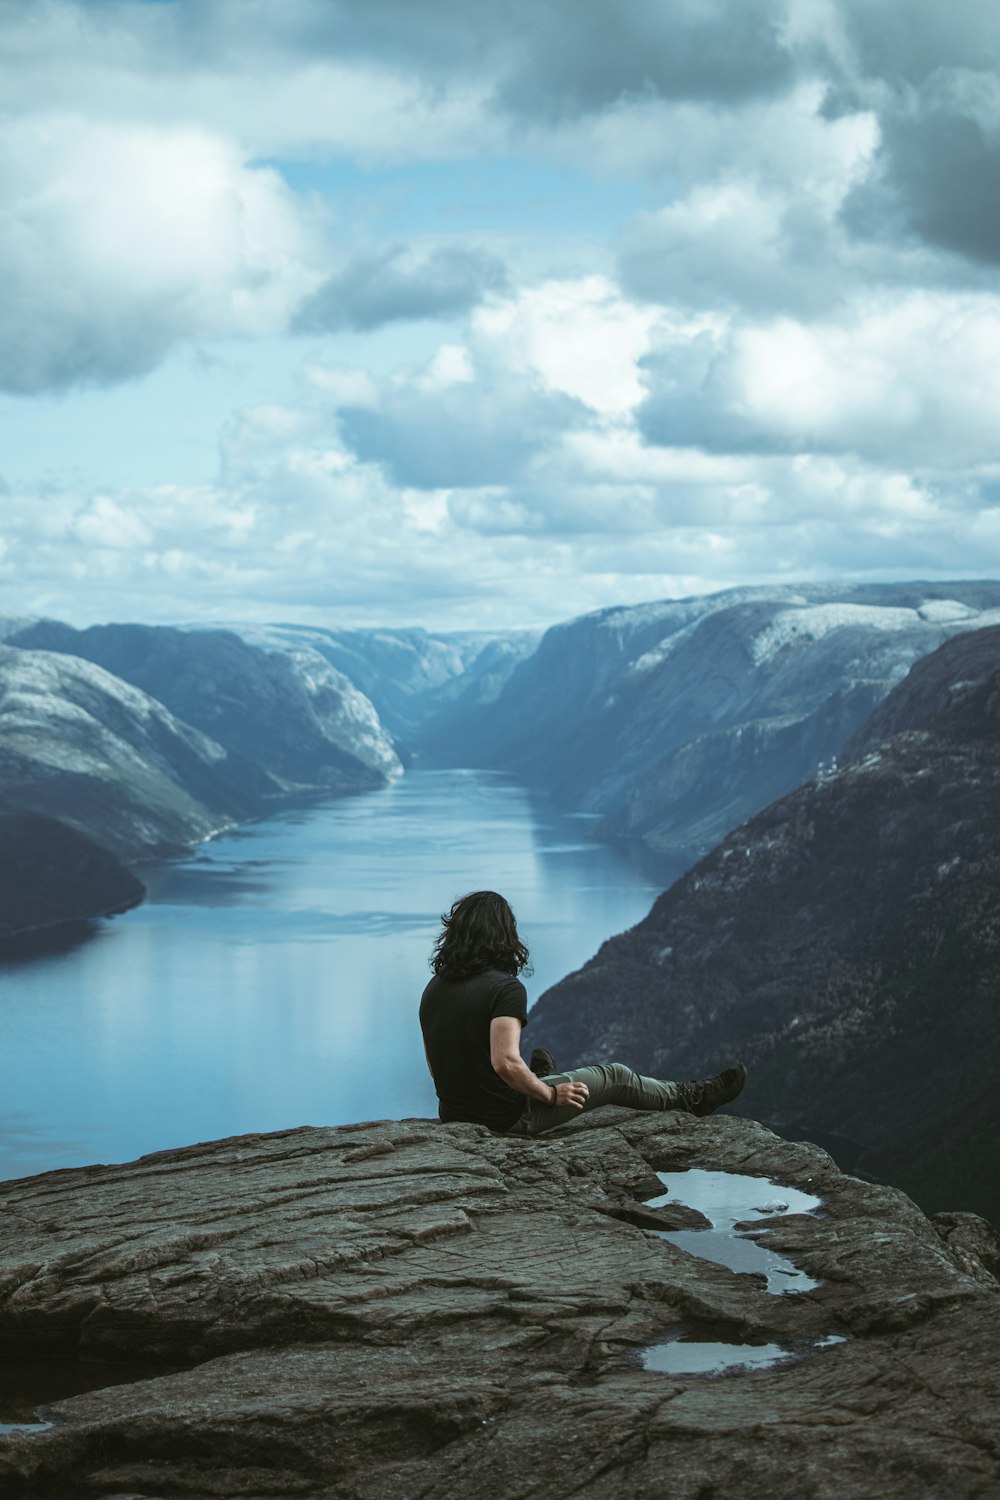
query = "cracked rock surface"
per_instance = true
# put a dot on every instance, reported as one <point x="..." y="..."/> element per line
<point x="405" y="1309"/>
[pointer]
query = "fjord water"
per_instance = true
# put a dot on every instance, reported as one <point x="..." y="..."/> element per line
<point x="272" y="978"/>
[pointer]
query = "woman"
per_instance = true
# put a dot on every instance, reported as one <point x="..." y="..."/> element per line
<point x="471" y="1015"/>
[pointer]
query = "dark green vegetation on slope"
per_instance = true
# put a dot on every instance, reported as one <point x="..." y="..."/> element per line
<point x="846" y="944"/>
<point x="50" y="874"/>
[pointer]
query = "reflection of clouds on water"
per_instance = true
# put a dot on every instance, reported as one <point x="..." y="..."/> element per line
<point x="736" y="1205"/>
<point x="208" y="884"/>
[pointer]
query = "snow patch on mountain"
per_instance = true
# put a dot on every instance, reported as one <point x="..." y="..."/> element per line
<point x="659" y="653"/>
<point x="815" y="621"/>
<point x="938" y="611"/>
<point x="75" y="714"/>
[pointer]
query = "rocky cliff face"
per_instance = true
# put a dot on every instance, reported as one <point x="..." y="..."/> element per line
<point x="289" y="712"/>
<point x="679" y="720"/>
<point x="80" y="745"/>
<point x="416" y="679"/>
<point x="51" y="874"/>
<point x="846" y="944"/>
<point x="405" y="1308"/>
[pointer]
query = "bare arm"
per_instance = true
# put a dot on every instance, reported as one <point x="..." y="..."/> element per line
<point x="506" y="1060"/>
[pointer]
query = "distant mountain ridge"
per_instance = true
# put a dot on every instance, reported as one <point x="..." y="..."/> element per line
<point x="413" y="677"/>
<point x="678" y="720"/>
<point x="846" y="943"/>
<point x="287" y="711"/>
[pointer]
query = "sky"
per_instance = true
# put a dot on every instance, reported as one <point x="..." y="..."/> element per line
<point x="478" y="316"/>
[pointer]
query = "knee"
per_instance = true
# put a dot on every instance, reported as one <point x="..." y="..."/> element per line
<point x="620" y="1072"/>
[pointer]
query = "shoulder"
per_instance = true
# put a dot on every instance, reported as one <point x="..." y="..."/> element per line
<point x="431" y="988"/>
<point x="506" y="990"/>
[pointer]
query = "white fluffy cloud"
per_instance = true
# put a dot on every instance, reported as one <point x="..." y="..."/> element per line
<point x="115" y="245"/>
<point x="908" y="383"/>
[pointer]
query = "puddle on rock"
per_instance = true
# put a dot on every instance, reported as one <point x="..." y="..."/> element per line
<point x="28" y="1385"/>
<point x="691" y="1356"/>
<point x="727" y="1199"/>
<point x="687" y="1354"/>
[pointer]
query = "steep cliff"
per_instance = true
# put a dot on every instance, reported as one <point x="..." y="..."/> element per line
<point x="418" y="680"/>
<point x="82" y="746"/>
<point x="406" y="1308"/>
<point x="289" y="712"/>
<point x="846" y="944"/>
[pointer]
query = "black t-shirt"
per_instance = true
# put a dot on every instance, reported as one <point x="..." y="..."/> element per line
<point x="455" y="1018"/>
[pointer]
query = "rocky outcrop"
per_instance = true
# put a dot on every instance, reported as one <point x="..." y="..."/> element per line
<point x="954" y="690"/>
<point x="90" y="750"/>
<point x="846" y="944"/>
<point x="287" y="712"/>
<point x="405" y="1308"/>
<point x="678" y="720"/>
<point x="51" y="874"/>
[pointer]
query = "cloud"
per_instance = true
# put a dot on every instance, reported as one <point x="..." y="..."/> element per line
<point x="393" y="285"/>
<point x="116" y="245"/>
<point x="910" y="383"/>
<point x="729" y="245"/>
<point x="537" y="366"/>
<point x="931" y="76"/>
<point x="937" y="172"/>
<point x="581" y="59"/>
<point x="460" y="434"/>
<point x="785" y="368"/>
<point x="559" y="57"/>
<point x="912" y="44"/>
<point x="289" y="79"/>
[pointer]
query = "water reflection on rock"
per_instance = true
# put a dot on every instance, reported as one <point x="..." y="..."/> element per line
<point x="731" y="1201"/>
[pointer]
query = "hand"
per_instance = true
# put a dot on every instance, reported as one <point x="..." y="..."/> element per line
<point x="572" y="1093"/>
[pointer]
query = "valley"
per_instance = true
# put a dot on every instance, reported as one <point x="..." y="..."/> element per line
<point x="826" y="758"/>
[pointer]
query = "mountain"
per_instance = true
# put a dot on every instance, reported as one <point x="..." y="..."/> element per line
<point x="414" y="678"/>
<point x="950" y="689"/>
<point x="51" y="874"/>
<point x="289" y="712"/>
<point x="845" y="943"/>
<point x="82" y="746"/>
<point x="678" y="720"/>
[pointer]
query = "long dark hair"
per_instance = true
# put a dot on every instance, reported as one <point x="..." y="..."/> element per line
<point x="479" y="933"/>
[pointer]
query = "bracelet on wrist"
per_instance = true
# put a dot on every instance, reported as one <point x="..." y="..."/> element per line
<point x="555" y="1094"/>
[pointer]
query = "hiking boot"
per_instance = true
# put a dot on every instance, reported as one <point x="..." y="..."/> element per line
<point x="704" y="1096"/>
<point x="542" y="1063"/>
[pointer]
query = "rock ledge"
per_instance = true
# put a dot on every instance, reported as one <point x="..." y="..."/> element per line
<point x="404" y="1308"/>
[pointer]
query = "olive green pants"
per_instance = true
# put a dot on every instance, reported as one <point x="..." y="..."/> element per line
<point x="609" y="1083"/>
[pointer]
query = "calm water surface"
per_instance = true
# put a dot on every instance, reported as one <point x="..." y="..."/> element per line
<point x="272" y="979"/>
